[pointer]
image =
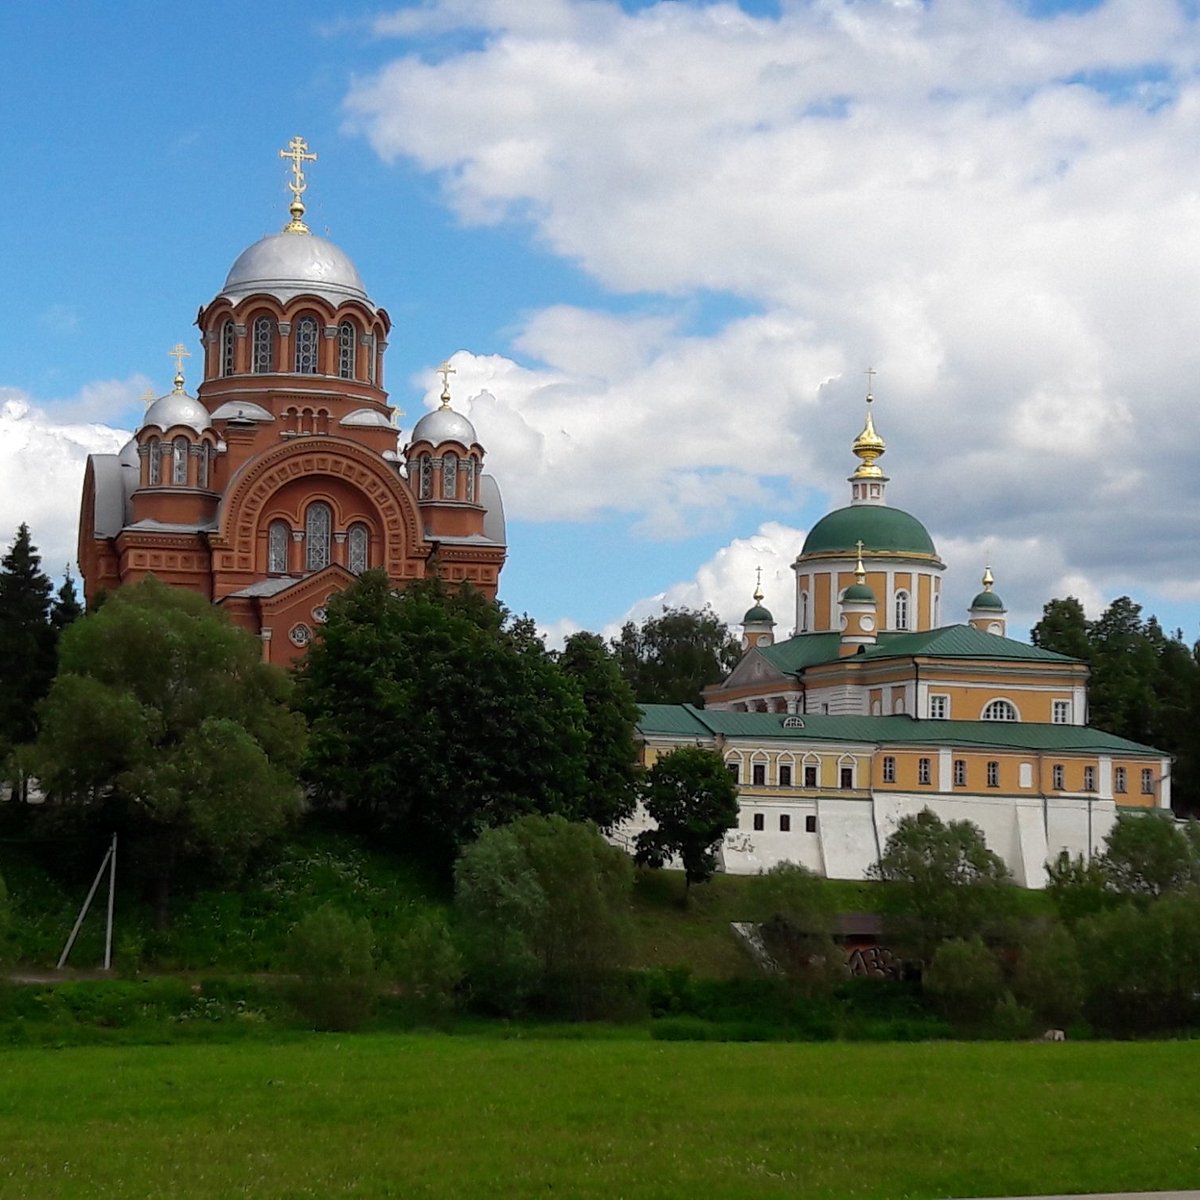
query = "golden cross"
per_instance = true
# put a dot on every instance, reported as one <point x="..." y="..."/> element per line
<point x="445" y="371"/>
<point x="297" y="151"/>
<point x="179" y="352"/>
<point x="859" y="545"/>
<point x="870" y="374"/>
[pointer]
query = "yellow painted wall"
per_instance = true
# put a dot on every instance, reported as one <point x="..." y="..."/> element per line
<point x="820" y="601"/>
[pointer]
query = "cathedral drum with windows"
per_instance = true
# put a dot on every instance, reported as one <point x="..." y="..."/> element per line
<point x="873" y="710"/>
<point x="281" y="479"/>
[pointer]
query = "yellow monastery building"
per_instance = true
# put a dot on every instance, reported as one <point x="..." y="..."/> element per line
<point x="874" y="709"/>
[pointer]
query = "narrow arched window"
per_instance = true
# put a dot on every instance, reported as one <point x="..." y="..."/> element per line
<point x="179" y="457"/>
<point x="803" y="612"/>
<point x="347" y="340"/>
<point x="318" y="530"/>
<point x="202" y="467"/>
<point x="306" y="346"/>
<point x="155" y="456"/>
<point x="449" y="476"/>
<point x="1000" y="710"/>
<point x="901" y="610"/>
<point x="264" y="345"/>
<point x="469" y="471"/>
<point x="278" y="536"/>
<point x="369" y="347"/>
<point x="358" y="546"/>
<point x="228" y="342"/>
<point x="425" y="469"/>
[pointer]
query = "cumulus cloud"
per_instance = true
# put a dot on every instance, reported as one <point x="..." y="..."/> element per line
<point x="990" y="207"/>
<point x="43" y="450"/>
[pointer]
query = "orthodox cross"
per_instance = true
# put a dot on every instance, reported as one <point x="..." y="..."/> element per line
<point x="297" y="151"/>
<point x="445" y="371"/>
<point x="179" y="352"/>
<point x="870" y="374"/>
<point x="758" y="592"/>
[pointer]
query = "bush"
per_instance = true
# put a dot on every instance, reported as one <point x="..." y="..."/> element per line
<point x="964" y="981"/>
<point x="428" y="965"/>
<point x="332" y="954"/>
<point x="1048" y="978"/>
<point x="798" y="928"/>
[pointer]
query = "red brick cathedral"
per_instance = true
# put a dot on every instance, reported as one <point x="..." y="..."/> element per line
<point x="281" y="478"/>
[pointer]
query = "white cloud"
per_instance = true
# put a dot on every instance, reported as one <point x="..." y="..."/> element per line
<point x="42" y="456"/>
<point x="997" y="211"/>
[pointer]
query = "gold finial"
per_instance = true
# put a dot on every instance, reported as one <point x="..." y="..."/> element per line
<point x="445" y="371"/>
<point x="868" y="445"/>
<point x="297" y="151"/>
<point x="860" y="574"/>
<point x="179" y="352"/>
<point x="988" y="579"/>
<point x="758" y="592"/>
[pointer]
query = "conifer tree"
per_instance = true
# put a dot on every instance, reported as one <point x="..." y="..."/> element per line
<point x="27" y="639"/>
<point x="66" y="607"/>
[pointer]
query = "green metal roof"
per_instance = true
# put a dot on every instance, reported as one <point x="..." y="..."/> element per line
<point x="757" y="613"/>
<point x="987" y="600"/>
<point x="878" y="527"/>
<point x="684" y="720"/>
<point x="859" y="591"/>
<point x="961" y="641"/>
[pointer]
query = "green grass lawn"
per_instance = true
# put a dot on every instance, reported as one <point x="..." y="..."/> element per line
<point x="429" y="1115"/>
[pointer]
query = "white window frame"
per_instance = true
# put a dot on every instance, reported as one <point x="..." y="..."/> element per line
<point x="1060" y="712"/>
<point x="901" y="609"/>
<point x="993" y="706"/>
<point x="939" y="706"/>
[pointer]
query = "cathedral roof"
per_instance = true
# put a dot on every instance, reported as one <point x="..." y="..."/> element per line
<point x="757" y="614"/>
<point x="290" y="264"/>
<point x="879" y="528"/>
<point x="177" y="408"/>
<point x="444" y="425"/>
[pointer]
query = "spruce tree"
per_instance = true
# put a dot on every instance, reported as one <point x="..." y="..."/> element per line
<point x="66" y="607"/>
<point x="27" y="639"/>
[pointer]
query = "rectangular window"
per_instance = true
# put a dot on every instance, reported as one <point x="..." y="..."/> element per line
<point x="785" y="824"/>
<point x="758" y="775"/>
<point x="785" y="776"/>
<point x="847" y="777"/>
<point x="1147" y="782"/>
<point x="758" y="820"/>
<point x="1089" y="779"/>
<point x="993" y="774"/>
<point x="939" y="708"/>
<point x="810" y="777"/>
<point x="1056" y="777"/>
<point x="924" y="770"/>
<point x="734" y="770"/>
<point x="1120" y="782"/>
<point x="889" y="769"/>
<point x="960" y="772"/>
<point x="810" y="824"/>
<point x="1061" y="714"/>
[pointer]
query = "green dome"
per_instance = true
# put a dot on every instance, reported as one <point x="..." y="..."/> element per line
<point x="881" y="528"/>
<point x="859" y="591"/>
<point x="757" y="615"/>
<point x="988" y="600"/>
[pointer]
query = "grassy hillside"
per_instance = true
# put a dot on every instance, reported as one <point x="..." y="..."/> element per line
<point x="430" y="1116"/>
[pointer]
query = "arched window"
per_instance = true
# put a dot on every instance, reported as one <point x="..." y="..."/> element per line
<point x="937" y="610"/>
<point x="425" y="468"/>
<point x="803" y="612"/>
<point x="155" y="456"/>
<point x="264" y="346"/>
<point x="347" y="340"/>
<point x="1000" y="710"/>
<point x="901" y="610"/>
<point x="359" y="543"/>
<point x="306" y="346"/>
<point x="369" y="348"/>
<point x="469" y="471"/>
<point x="278" y="536"/>
<point x="228" y="343"/>
<point x="318" y="531"/>
<point x="449" y="476"/>
<point x="179" y="457"/>
<point x="202" y="467"/>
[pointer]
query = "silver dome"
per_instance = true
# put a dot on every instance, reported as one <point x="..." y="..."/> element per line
<point x="129" y="455"/>
<point x="177" y="408"/>
<point x="444" y="425"/>
<point x="286" y="265"/>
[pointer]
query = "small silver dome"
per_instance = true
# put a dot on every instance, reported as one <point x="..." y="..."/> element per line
<point x="444" y="425"/>
<point x="128" y="456"/>
<point x="286" y="265"/>
<point x="177" y="408"/>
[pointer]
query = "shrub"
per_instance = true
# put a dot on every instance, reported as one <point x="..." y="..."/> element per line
<point x="1048" y="978"/>
<point x="964" y="981"/>
<point x="798" y="928"/>
<point x="427" y="964"/>
<point x="332" y="955"/>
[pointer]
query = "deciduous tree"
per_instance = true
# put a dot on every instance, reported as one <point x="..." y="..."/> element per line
<point x="670" y="659"/>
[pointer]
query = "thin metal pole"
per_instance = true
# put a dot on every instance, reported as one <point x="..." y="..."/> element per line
<point x="83" y="911"/>
<point x="112" y="892"/>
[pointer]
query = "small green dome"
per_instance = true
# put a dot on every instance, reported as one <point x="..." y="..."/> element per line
<point x="988" y="600"/>
<point x="878" y="527"/>
<point x="758" y="615"/>
<point x="859" y="592"/>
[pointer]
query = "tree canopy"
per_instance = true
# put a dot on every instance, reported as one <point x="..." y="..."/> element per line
<point x="164" y="719"/>
<point x="670" y="659"/>
<point x="434" y="715"/>
<point x="692" y="799"/>
<point x="27" y="639"/>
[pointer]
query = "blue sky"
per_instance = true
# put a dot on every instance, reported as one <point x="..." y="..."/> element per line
<point x="666" y="240"/>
